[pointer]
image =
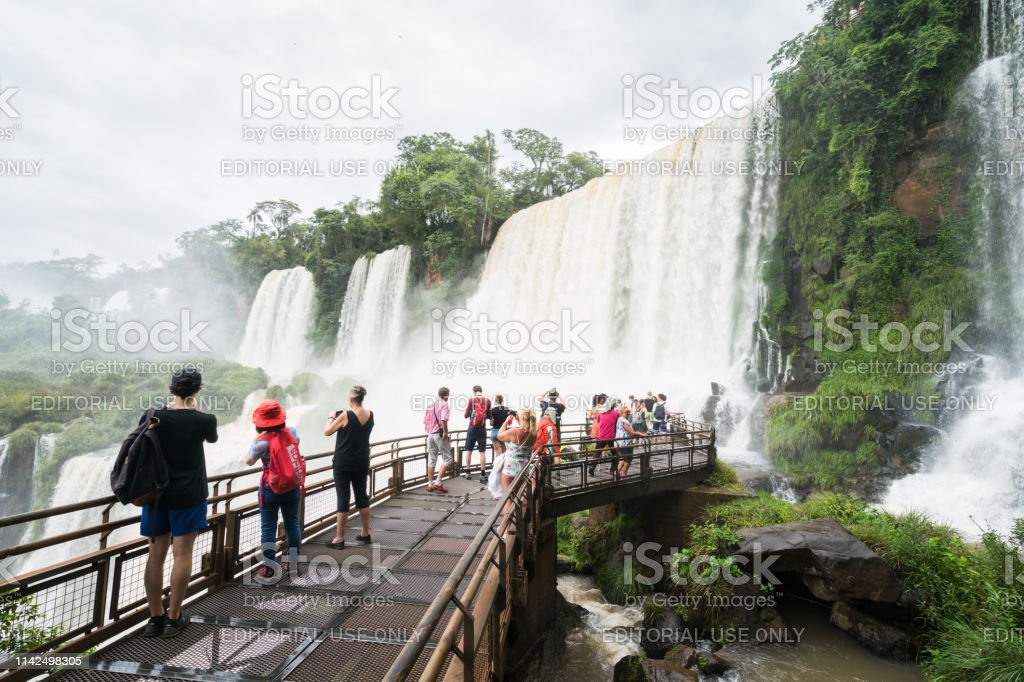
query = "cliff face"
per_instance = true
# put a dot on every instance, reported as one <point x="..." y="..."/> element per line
<point x="879" y="224"/>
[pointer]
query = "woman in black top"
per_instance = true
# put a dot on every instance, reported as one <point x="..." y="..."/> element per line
<point x="351" y="463"/>
<point x="499" y="413"/>
<point x="179" y="514"/>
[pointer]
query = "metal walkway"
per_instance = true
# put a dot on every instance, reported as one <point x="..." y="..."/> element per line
<point x="431" y="598"/>
<point x="346" y="619"/>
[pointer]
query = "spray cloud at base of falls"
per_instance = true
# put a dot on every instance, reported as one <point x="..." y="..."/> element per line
<point x="280" y="318"/>
<point x="976" y="476"/>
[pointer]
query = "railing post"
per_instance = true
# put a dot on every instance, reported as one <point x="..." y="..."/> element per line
<point x="468" y="646"/>
<point x="100" y="601"/>
<point x="231" y="533"/>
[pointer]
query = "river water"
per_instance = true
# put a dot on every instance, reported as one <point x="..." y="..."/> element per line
<point x="824" y="653"/>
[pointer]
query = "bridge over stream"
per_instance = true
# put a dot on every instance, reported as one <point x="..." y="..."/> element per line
<point x="433" y="598"/>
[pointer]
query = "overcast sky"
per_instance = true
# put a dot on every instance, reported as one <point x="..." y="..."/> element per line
<point x="132" y="107"/>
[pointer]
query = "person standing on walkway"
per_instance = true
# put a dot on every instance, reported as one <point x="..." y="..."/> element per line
<point x="351" y="464"/>
<point x="477" y="412"/>
<point x="660" y="413"/>
<point x="439" y="442"/>
<point x="606" y="435"/>
<point x="551" y="401"/>
<point x="547" y="443"/>
<point x="624" y="435"/>
<point x="174" y="520"/>
<point x="499" y="413"/>
<point x="520" y="439"/>
<point x="274" y="439"/>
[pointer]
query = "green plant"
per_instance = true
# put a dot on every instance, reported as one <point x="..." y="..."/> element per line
<point x="20" y="629"/>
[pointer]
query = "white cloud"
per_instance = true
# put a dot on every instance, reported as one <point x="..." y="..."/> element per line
<point x="133" y="105"/>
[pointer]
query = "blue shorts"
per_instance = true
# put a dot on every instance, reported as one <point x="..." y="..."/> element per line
<point x="494" y="434"/>
<point x="157" y="522"/>
<point x="659" y="427"/>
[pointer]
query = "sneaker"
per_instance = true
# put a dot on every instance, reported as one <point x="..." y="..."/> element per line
<point x="440" y="488"/>
<point x="173" y="627"/>
<point x="336" y="545"/>
<point x="265" y="574"/>
<point x="483" y="477"/>
<point x="363" y="539"/>
<point x="430" y="487"/>
<point x="154" y="626"/>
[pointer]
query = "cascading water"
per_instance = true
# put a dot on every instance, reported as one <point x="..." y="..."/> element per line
<point x="350" y="307"/>
<point x="370" y="327"/>
<point x="280" y="318"/>
<point x="659" y="262"/>
<point x="978" y="468"/>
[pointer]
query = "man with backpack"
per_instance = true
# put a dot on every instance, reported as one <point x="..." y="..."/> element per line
<point x="177" y="516"/>
<point x="660" y="413"/>
<point x="281" y="485"/>
<point x="477" y="411"/>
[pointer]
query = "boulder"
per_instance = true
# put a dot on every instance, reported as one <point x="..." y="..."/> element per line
<point x="885" y="639"/>
<point x="643" y="669"/>
<point x="717" y="663"/>
<point x="833" y="563"/>
<point x="804" y="376"/>
<point x="663" y="628"/>
<point x="682" y="654"/>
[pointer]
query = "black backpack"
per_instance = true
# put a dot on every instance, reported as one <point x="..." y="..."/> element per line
<point x="659" y="412"/>
<point x="140" y="471"/>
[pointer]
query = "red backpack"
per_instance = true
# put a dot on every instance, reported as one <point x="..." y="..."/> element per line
<point x="479" y="414"/>
<point x="287" y="470"/>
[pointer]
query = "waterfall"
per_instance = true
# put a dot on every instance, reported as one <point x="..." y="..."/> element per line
<point x="280" y="318"/>
<point x="372" y="314"/>
<point x="350" y="306"/>
<point x="978" y="468"/>
<point x="661" y="262"/>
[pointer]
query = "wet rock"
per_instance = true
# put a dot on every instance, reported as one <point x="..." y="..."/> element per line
<point x="643" y="669"/>
<point x="682" y="654"/>
<point x="823" y="266"/>
<point x="663" y="628"/>
<point x="884" y="639"/>
<point x="804" y="376"/>
<point x="838" y="565"/>
<point x="717" y="663"/>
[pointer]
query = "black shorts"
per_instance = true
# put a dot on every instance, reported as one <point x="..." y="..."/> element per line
<point x="343" y="480"/>
<point x="625" y="453"/>
<point x="476" y="436"/>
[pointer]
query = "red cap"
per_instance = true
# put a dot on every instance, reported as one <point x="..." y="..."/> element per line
<point x="268" y="414"/>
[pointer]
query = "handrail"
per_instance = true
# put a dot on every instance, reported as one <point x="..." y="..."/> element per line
<point x="421" y="633"/>
<point x="484" y="601"/>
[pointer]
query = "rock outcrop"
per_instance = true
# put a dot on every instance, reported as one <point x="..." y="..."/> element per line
<point x="833" y="564"/>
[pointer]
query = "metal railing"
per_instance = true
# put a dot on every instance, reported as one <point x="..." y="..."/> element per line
<point x="476" y="631"/>
<point x="95" y="597"/>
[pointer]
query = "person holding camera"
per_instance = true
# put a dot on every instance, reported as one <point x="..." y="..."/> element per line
<point x="351" y="463"/>
<point x="520" y="439"/>
<point x="551" y="401"/>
